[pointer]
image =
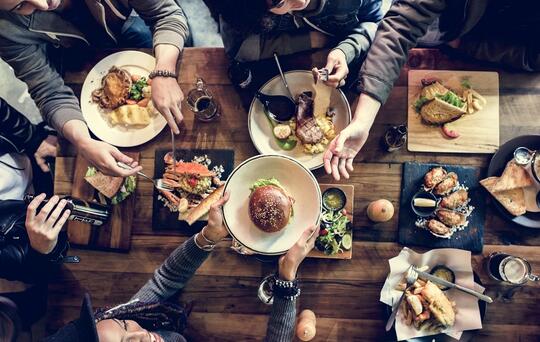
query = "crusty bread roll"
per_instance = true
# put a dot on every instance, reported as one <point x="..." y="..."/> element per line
<point x="204" y="207"/>
<point x="270" y="208"/>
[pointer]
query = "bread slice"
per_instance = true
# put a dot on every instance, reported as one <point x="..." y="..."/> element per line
<point x="513" y="177"/>
<point x="437" y="111"/>
<point x="439" y="305"/>
<point x="107" y="185"/>
<point x="512" y="200"/>
<point x="199" y="211"/>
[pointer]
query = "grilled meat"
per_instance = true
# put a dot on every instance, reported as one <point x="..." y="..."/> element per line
<point x="307" y="129"/>
<point x="455" y="199"/>
<point x="114" y="89"/>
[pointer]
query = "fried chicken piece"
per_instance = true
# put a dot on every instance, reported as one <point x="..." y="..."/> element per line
<point x="450" y="218"/>
<point x="114" y="89"/>
<point x="455" y="199"/>
<point x="438" y="227"/>
<point x="434" y="177"/>
<point x="448" y="183"/>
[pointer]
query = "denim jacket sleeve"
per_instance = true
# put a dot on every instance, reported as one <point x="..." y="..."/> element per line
<point x="398" y="32"/>
<point x="56" y="101"/>
<point x="357" y="43"/>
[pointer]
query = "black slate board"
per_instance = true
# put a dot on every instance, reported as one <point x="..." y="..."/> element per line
<point x="162" y="218"/>
<point x="471" y="238"/>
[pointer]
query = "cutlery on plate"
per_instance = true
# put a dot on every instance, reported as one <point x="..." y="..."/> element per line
<point x="159" y="184"/>
<point x="173" y="152"/>
<point x="439" y="281"/>
<point x="410" y="277"/>
<point x="291" y="97"/>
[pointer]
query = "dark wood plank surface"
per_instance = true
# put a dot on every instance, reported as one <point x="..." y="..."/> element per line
<point x="343" y="293"/>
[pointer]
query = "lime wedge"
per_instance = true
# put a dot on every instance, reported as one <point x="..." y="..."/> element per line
<point x="346" y="241"/>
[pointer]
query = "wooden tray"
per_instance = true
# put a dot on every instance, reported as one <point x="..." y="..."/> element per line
<point x="349" y="206"/>
<point x="479" y="132"/>
<point x="162" y="217"/>
<point x="113" y="235"/>
<point x="471" y="238"/>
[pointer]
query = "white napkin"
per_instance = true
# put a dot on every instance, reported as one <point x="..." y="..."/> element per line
<point x="459" y="261"/>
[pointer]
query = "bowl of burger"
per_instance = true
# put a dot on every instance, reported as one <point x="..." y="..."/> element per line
<point x="273" y="199"/>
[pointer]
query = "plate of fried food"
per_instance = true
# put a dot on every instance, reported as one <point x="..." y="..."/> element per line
<point x="441" y="206"/>
<point x="273" y="200"/>
<point x="320" y="114"/>
<point x="453" y="111"/>
<point x="116" y="100"/>
<point x="514" y="180"/>
<point x="431" y="312"/>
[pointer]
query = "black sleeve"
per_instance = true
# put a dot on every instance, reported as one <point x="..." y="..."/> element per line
<point x="17" y="133"/>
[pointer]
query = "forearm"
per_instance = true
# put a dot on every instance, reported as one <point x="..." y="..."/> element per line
<point x="166" y="57"/>
<point x="174" y="273"/>
<point x="76" y="132"/>
<point x="366" y="111"/>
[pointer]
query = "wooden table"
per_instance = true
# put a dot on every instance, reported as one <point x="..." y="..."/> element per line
<point x="344" y="294"/>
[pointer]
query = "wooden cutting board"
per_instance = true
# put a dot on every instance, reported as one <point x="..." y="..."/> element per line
<point x="349" y="206"/>
<point x="471" y="238"/>
<point x="479" y="132"/>
<point x="113" y="235"/>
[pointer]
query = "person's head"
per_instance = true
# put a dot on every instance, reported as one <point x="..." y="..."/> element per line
<point x="248" y="14"/>
<point x="115" y="330"/>
<point x="9" y="320"/>
<point x="27" y="7"/>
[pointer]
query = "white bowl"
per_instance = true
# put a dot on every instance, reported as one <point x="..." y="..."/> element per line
<point x="135" y="62"/>
<point x="295" y="178"/>
<point x="260" y="130"/>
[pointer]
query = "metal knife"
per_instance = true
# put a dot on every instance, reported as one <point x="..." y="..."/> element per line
<point x="446" y="283"/>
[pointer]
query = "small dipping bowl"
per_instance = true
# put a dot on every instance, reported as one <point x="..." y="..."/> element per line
<point x="334" y="199"/>
<point x="424" y="211"/>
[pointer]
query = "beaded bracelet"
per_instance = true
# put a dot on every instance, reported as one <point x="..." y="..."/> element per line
<point x="162" y="73"/>
<point x="288" y="290"/>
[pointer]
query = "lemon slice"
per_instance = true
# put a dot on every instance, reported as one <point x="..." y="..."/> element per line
<point x="424" y="203"/>
<point x="346" y="241"/>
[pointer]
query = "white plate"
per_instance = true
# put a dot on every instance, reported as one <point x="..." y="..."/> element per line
<point x="137" y="63"/>
<point x="295" y="178"/>
<point x="261" y="131"/>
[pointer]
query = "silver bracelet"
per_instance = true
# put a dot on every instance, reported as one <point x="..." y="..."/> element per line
<point x="207" y="239"/>
<point x="206" y="248"/>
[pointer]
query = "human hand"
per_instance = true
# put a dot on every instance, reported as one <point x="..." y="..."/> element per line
<point x="47" y="148"/>
<point x="167" y="98"/>
<point x="336" y="64"/>
<point x="105" y="156"/>
<point x="289" y="263"/>
<point x="339" y="156"/>
<point x="215" y="230"/>
<point x="43" y="229"/>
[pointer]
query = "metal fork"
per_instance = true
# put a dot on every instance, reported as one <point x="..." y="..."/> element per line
<point x="173" y="152"/>
<point x="159" y="183"/>
<point x="411" y="278"/>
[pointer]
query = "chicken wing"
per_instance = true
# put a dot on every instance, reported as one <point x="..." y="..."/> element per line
<point x="455" y="199"/>
<point x="438" y="227"/>
<point x="450" y="218"/>
<point x="448" y="183"/>
<point x="434" y="177"/>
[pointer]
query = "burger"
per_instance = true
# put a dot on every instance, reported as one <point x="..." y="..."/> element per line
<point x="270" y="206"/>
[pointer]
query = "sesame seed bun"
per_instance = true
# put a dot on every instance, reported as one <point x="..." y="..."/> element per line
<point x="270" y="208"/>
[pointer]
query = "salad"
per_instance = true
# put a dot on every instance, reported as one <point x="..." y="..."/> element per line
<point x="335" y="235"/>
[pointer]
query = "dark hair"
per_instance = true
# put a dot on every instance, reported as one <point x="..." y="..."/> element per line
<point x="243" y="15"/>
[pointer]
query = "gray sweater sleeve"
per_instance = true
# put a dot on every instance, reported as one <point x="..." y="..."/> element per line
<point x="282" y="321"/>
<point x="174" y="273"/>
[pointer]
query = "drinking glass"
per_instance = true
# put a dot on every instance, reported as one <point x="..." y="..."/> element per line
<point x="508" y="268"/>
